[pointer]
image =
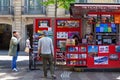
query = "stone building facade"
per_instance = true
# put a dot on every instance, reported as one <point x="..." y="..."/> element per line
<point x="19" y="15"/>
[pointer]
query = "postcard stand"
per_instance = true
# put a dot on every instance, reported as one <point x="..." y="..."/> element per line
<point x="40" y="24"/>
<point x="65" y="29"/>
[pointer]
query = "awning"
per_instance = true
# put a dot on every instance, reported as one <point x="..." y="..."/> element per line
<point x="77" y="10"/>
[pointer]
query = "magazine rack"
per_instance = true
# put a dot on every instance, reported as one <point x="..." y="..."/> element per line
<point x="40" y="24"/>
<point x="65" y="29"/>
<point x="76" y="55"/>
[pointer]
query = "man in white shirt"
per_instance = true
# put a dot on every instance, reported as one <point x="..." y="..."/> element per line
<point x="45" y="48"/>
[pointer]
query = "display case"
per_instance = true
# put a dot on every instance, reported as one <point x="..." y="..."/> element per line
<point x="105" y="29"/>
<point x="66" y="28"/>
<point x="76" y="55"/>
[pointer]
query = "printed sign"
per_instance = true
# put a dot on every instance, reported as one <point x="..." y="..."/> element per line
<point x="100" y="60"/>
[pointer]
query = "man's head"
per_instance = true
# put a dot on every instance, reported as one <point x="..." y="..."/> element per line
<point x="45" y="33"/>
<point x="15" y="34"/>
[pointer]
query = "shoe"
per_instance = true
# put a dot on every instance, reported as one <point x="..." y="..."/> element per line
<point x="15" y="70"/>
<point x="54" y="76"/>
<point x="43" y="76"/>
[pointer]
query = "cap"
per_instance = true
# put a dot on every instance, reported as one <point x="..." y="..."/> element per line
<point x="45" y="32"/>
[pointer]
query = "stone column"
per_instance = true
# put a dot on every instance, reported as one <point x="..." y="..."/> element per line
<point x="18" y="21"/>
<point x="51" y="11"/>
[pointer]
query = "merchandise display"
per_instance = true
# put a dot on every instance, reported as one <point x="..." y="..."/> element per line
<point x="89" y="38"/>
<point x="108" y="28"/>
<point x="66" y="33"/>
<point x="103" y="22"/>
<point x="68" y="23"/>
<point x="76" y="56"/>
<point x="41" y="24"/>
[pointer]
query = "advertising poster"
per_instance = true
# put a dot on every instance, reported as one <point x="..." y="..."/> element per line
<point x="103" y="49"/>
<point x="63" y="35"/>
<point x="117" y="19"/>
<point x="101" y="60"/>
<point x="92" y="51"/>
<point x="117" y="48"/>
<point x="68" y="23"/>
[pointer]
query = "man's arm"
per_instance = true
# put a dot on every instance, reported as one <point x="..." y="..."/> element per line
<point x="39" y="47"/>
<point x="52" y="48"/>
<point x="14" y="41"/>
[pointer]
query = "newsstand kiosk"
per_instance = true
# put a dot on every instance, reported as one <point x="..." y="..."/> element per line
<point x="103" y="21"/>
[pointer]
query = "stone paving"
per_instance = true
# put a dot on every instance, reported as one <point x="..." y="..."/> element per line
<point x="62" y="74"/>
<point x="23" y="74"/>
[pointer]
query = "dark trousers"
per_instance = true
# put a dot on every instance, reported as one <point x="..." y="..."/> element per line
<point x="47" y="58"/>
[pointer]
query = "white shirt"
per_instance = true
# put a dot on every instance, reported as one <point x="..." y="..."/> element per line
<point x="45" y="45"/>
<point x="28" y="43"/>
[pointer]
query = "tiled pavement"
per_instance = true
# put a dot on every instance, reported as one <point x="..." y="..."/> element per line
<point x="23" y="74"/>
<point x="62" y="74"/>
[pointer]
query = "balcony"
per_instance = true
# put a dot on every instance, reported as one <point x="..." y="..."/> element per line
<point x="33" y="10"/>
<point x="6" y="10"/>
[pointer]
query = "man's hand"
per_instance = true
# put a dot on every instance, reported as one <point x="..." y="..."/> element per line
<point x="38" y="56"/>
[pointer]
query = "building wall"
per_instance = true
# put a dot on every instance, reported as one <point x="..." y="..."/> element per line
<point x="20" y="21"/>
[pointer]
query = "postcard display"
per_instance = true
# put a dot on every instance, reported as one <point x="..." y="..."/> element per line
<point x="65" y="30"/>
<point x="106" y="32"/>
<point x="76" y="55"/>
<point x="40" y="24"/>
<point x="104" y="20"/>
<point x="103" y="54"/>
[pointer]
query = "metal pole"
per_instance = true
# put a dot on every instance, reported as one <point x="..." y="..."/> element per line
<point x="55" y="8"/>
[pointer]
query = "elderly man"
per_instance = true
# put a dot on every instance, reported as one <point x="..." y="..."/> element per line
<point x="45" y="48"/>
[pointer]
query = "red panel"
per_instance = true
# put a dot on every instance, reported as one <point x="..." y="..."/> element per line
<point x="111" y="63"/>
<point x="65" y="29"/>
<point x="36" y="22"/>
<point x="112" y="48"/>
<point x="37" y="28"/>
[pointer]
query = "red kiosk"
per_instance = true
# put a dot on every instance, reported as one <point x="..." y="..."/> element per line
<point x="103" y="21"/>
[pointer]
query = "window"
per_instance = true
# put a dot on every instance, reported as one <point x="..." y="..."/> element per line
<point x="4" y="2"/>
<point x="118" y="1"/>
<point x="34" y="6"/>
<point x="81" y="1"/>
<point x="4" y="6"/>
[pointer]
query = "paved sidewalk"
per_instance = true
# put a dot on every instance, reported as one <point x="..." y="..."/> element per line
<point x="5" y="60"/>
<point x="62" y="74"/>
<point x="23" y="74"/>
